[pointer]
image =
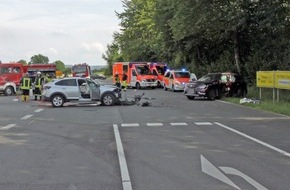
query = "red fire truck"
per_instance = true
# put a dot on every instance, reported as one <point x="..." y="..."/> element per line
<point x="11" y="74"/>
<point x="81" y="70"/>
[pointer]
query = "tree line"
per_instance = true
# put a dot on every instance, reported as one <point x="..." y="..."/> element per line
<point x="242" y="36"/>
<point x="41" y="59"/>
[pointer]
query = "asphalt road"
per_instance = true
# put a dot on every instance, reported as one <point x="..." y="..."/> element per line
<point x="171" y="144"/>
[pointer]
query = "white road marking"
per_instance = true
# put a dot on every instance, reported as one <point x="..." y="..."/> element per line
<point x="178" y="124"/>
<point x="254" y="139"/>
<point x="154" y="124"/>
<point x="212" y="171"/>
<point x="122" y="160"/>
<point x="8" y="126"/>
<point x="203" y="123"/>
<point x="38" y="110"/>
<point x="233" y="171"/>
<point x="26" y="117"/>
<point x="15" y="99"/>
<point x="130" y="125"/>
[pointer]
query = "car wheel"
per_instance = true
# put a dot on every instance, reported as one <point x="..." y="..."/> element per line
<point x="240" y="92"/>
<point x="173" y="89"/>
<point x="138" y="86"/>
<point x="211" y="94"/>
<point x="164" y="87"/>
<point x="190" y="97"/>
<point x="57" y="100"/>
<point x="159" y="84"/>
<point x="8" y="91"/>
<point x="108" y="99"/>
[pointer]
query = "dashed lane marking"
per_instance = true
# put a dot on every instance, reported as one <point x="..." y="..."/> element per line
<point x="130" y="125"/>
<point x="162" y="124"/>
<point x="38" y="110"/>
<point x="203" y="123"/>
<point x="178" y="124"/>
<point x="8" y="127"/>
<point x="154" y="124"/>
<point x="26" y="117"/>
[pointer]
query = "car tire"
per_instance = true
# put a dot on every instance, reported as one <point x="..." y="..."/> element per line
<point x="8" y="91"/>
<point x="190" y="97"/>
<point x="108" y="99"/>
<point x="138" y="86"/>
<point x="173" y="89"/>
<point x="164" y="87"/>
<point x="57" y="100"/>
<point x="159" y="84"/>
<point x="240" y="93"/>
<point x="212" y="94"/>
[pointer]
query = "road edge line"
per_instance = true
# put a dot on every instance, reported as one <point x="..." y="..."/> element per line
<point x="254" y="139"/>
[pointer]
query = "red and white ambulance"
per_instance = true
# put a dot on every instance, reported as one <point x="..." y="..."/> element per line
<point x="176" y="80"/>
<point x="158" y="69"/>
<point x="138" y="74"/>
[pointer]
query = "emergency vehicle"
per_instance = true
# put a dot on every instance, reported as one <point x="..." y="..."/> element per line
<point x="138" y="74"/>
<point x="175" y="80"/>
<point x="11" y="74"/>
<point x="158" y="69"/>
<point x="81" y="70"/>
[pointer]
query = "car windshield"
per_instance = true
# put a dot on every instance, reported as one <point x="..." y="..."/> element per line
<point x="143" y="70"/>
<point x="79" y="68"/>
<point x="209" y="78"/>
<point x="182" y="75"/>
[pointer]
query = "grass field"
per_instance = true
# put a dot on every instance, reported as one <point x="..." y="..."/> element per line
<point x="281" y="106"/>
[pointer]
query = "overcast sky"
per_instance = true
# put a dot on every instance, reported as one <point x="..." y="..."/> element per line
<point x="72" y="31"/>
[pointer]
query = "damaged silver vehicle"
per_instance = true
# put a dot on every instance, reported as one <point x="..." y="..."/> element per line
<point x="80" y="90"/>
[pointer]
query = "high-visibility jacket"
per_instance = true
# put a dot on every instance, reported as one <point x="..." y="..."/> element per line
<point x="38" y="82"/>
<point x="25" y="83"/>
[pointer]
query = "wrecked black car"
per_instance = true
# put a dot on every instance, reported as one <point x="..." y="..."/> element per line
<point x="215" y="85"/>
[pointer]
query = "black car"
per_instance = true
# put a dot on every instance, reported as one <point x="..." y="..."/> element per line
<point x="215" y="85"/>
<point x="96" y="76"/>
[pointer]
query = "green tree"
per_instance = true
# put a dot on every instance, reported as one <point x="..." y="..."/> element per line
<point x="22" y="61"/>
<point x="112" y="55"/>
<point x="38" y="59"/>
<point x="60" y="66"/>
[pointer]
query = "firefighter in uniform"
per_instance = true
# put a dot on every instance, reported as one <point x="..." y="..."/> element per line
<point x="124" y="81"/>
<point x="117" y="80"/>
<point x="39" y="81"/>
<point x="25" y="86"/>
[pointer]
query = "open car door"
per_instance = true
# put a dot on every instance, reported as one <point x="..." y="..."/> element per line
<point x="94" y="90"/>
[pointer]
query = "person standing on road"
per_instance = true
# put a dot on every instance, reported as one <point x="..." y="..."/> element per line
<point x="39" y="81"/>
<point x="25" y="86"/>
<point x="117" y="80"/>
<point x="124" y="81"/>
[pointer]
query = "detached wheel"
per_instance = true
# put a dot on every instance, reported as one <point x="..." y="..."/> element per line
<point x="211" y="94"/>
<point x="8" y="91"/>
<point x="57" y="101"/>
<point x="108" y="100"/>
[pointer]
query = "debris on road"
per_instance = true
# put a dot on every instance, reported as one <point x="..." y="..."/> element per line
<point x="249" y="100"/>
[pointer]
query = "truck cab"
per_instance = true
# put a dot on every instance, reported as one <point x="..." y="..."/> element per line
<point x="10" y="76"/>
